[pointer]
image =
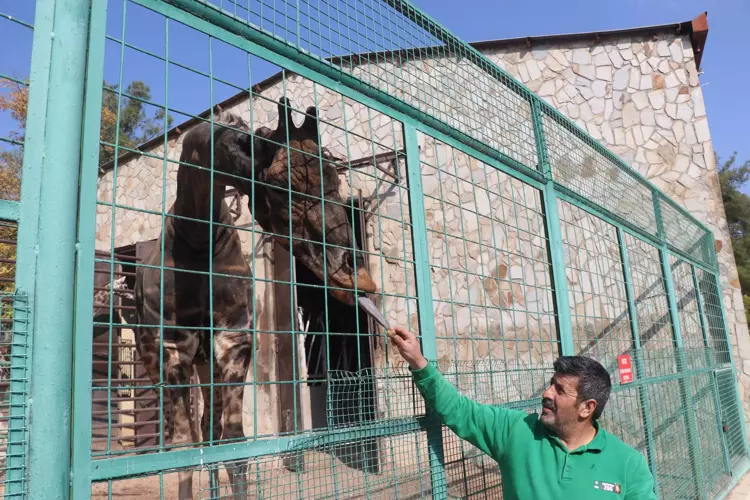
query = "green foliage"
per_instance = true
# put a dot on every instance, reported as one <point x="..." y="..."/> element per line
<point x="135" y="127"/>
<point x="732" y="176"/>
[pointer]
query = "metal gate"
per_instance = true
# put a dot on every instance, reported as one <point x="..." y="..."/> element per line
<point x="396" y="161"/>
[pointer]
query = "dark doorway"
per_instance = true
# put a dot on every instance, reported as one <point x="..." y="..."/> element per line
<point x="338" y="345"/>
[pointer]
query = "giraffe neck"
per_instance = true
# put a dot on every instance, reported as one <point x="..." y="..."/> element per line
<point x="194" y="200"/>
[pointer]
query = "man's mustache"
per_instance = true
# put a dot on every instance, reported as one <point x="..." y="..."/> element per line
<point x="547" y="403"/>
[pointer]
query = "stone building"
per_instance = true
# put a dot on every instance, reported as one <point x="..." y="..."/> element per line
<point x="637" y="91"/>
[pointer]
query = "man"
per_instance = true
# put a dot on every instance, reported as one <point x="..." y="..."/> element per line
<point x="557" y="454"/>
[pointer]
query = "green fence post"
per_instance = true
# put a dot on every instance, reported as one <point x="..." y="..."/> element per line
<point x="710" y="364"/>
<point x="424" y="292"/>
<point x="47" y="238"/>
<point x="714" y="258"/>
<point x="736" y="389"/>
<point x="84" y="279"/>
<point x="682" y="368"/>
<point x="555" y="247"/>
<point x="640" y="370"/>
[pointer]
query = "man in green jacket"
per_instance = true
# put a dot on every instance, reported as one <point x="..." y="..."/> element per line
<point x="556" y="454"/>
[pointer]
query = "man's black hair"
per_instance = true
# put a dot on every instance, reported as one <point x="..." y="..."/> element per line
<point x="593" y="379"/>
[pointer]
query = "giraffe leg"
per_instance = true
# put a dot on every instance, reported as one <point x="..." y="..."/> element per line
<point x="208" y="410"/>
<point x="178" y="359"/>
<point x="178" y="354"/>
<point x="233" y="352"/>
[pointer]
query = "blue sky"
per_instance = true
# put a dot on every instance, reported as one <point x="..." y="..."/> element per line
<point x="724" y="77"/>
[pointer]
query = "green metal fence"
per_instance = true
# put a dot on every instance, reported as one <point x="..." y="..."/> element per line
<point x="409" y="168"/>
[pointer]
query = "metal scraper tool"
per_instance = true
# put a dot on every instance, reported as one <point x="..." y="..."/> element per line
<point x="371" y="309"/>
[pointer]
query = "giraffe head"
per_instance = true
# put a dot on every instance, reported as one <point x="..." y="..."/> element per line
<point x="314" y="211"/>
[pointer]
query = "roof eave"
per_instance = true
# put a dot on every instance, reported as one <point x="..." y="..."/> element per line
<point x="697" y="28"/>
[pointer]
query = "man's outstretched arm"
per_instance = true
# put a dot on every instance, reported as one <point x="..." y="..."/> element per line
<point x="486" y="427"/>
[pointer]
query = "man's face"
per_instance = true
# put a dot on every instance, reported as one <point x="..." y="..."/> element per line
<point x="560" y="407"/>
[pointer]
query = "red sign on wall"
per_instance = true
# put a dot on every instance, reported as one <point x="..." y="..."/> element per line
<point x="626" y="369"/>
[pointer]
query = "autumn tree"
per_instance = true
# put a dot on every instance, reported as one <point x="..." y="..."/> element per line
<point x="732" y="177"/>
<point x="135" y="126"/>
<point x="134" y="123"/>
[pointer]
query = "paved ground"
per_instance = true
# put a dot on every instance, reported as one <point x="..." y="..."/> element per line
<point x="742" y="490"/>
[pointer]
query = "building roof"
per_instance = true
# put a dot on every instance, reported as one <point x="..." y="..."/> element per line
<point x="696" y="29"/>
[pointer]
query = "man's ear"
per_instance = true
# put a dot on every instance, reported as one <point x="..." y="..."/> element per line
<point x="586" y="408"/>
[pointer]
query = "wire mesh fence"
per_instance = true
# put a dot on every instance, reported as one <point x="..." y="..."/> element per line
<point x="16" y="26"/>
<point x="14" y="392"/>
<point x="254" y="169"/>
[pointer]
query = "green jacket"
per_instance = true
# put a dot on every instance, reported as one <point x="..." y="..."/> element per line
<point x="534" y="464"/>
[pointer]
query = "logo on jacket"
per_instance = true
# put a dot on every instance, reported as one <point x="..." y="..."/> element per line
<point x="611" y="487"/>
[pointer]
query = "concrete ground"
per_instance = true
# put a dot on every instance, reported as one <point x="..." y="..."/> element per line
<point x="742" y="490"/>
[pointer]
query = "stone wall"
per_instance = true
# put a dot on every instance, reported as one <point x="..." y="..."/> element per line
<point x="642" y="99"/>
<point x="491" y="289"/>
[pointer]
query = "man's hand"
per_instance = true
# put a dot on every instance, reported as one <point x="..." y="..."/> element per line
<point x="408" y="346"/>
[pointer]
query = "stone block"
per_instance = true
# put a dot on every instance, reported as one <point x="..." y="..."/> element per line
<point x="604" y="73"/>
<point x="553" y="64"/>
<point x="618" y="99"/>
<point x="585" y="112"/>
<point x="662" y="48"/>
<point x="648" y="131"/>
<point x="699" y="104"/>
<point x="681" y="163"/>
<point x="560" y="57"/>
<point x="599" y="88"/>
<point x="671" y="110"/>
<point x="675" y="50"/>
<point x="640" y="99"/>
<point x="597" y="105"/>
<point x="671" y="81"/>
<point x="647" y="117"/>
<point x="539" y="54"/>
<point x="547" y="88"/>
<point x="616" y="58"/>
<point x="663" y="121"/>
<point x="581" y="56"/>
<point x="619" y="136"/>
<point x="646" y="82"/>
<point x="684" y="112"/>
<point x="601" y="59"/>
<point x="630" y="116"/>
<point x="638" y="135"/>
<point x="594" y="131"/>
<point x="657" y="99"/>
<point x="701" y="130"/>
<point x="586" y="71"/>
<point x="621" y="78"/>
<point x="630" y="140"/>
<point x="533" y="69"/>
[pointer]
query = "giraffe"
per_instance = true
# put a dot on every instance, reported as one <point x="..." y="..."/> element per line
<point x="186" y="342"/>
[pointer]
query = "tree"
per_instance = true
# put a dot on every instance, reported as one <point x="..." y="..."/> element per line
<point x="135" y="127"/>
<point x="134" y="124"/>
<point x="732" y="177"/>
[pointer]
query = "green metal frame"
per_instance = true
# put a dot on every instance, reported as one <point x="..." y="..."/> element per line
<point x="424" y="291"/>
<point x="47" y="235"/>
<point x="60" y="184"/>
<point x="685" y="390"/>
<point x="709" y="362"/>
<point x="639" y="367"/>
